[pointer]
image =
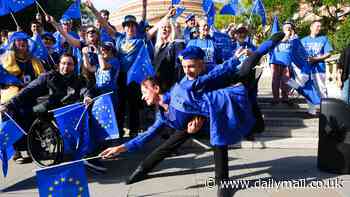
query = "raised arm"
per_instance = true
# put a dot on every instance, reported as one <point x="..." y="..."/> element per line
<point x="70" y="39"/>
<point x="155" y="28"/>
<point x="104" y="23"/>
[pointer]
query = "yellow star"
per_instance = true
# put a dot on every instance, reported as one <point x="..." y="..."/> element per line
<point x="70" y="180"/>
<point x="77" y="182"/>
<point x="50" y="195"/>
<point x="79" y="195"/>
<point x="80" y="189"/>
<point x="50" y="189"/>
<point x="63" y="180"/>
<point x="56" y="182"/>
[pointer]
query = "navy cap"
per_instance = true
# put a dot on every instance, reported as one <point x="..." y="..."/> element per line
<point x="19" y="35"/>
<point x="189" y="17"/>
<point x="48" y="36"/>
<point x="191" y="52"/>
<point x="129" y="19"/>
<point x="108" y="45"/>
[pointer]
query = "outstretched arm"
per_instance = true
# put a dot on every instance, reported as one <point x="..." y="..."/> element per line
<point x="104" y="23"/>
<point x="135" y="143"/>
<point x="154" y="29"/>
<point x="222" y="75"/>
<point x="70" y="39"/>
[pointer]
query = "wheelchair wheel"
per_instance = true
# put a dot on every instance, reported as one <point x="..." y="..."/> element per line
<point x="45" y="145"/>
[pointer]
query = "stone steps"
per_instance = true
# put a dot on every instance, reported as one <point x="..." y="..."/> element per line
<point x="285" y="126"/>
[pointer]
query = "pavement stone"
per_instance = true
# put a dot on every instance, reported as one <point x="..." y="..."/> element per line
<point x="184" y="175"/>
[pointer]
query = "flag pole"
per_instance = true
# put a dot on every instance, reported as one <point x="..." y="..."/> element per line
<point x="14" y="19"/>
<point x="37" y="3"/>
<point x="67" y="163"/>
<point x="15" y="123"/>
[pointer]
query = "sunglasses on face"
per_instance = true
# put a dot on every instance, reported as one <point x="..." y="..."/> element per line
<point x="91" y="31"/>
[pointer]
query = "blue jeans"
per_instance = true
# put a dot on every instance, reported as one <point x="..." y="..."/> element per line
<point x="345" y="92"/>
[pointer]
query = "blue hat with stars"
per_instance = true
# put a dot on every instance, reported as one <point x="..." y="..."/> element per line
<point x="189" y="17"/>
<point x="19" y="35"/>
<point x="192" y="52"/>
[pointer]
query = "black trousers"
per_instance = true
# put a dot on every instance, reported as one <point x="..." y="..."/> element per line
<point x="174" y="142"/>
<point x="129" y="100"/>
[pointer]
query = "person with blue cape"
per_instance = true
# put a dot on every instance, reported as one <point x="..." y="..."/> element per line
<point x="203" y="100"/>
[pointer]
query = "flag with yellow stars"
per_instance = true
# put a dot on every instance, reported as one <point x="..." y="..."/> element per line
<point x="66" y="122"/>
<point x="141" y="68"/>
<point x="10" y="133"/>
<point x="104" y="122"/>
<point x="63" y="180"/>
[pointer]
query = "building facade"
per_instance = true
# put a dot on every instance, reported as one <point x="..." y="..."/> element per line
<point x="156" y="9"/>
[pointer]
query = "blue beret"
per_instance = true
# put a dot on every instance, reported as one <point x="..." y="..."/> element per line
<point x="189" y="17"/>
<point x="192" y="52"/>
<point x="19" y="35"/>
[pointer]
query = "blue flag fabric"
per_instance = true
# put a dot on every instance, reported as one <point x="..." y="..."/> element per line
<point x="62" y="181"/>
<point x="301" y="73"/>
<point x="275" y="26"/>
<point x="259" y="9"/>
<point x="142" y="67"/>
<point x="224" y="43"/>
<point x="66" y="123"/>
<point x="8" y="6"/>
<point x="66" y="108"/>
<point x="227" y="10"/>
<point x="10" y="133"/>
<point x="37" y="48"/>
<point x="8" y="79"/>
<point x="179" y="11"/>
<point x="104" y="122"/>
<point x="207" y="5"/>
<point x="175" y="2"/>
<point x="211" y="15"/>
<point x="73" y="11"/>
<point x="234" y="7"/>
<point x="85" y="144"/>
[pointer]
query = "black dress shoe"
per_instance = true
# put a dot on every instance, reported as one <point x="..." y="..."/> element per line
<point x="138" y="175"/>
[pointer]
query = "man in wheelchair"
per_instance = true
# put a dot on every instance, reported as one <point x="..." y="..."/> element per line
<point x="49" y="91"/>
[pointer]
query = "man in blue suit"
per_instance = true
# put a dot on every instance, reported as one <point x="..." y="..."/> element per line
<point x="202" y="100"/>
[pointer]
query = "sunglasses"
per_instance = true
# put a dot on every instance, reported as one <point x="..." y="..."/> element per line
<point x="91" y="31"/>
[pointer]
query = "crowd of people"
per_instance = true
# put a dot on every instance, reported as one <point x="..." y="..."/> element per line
<point x="197" y="86"/>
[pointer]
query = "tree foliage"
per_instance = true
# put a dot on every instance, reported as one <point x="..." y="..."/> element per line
<point x="335" y="22"/>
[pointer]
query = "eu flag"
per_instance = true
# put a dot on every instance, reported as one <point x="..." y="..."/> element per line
<point x="104" y="123"/>
<point x="73" y="11"/>
<point x="3" y="8"/>
<point x="10" y="132"/>
<point x="179" y="11"/>
<point x="275" y="26"/>
<point x="8" y="79"/>
<point x="175" y="2"/>
<point x="66" y="123"/>
<point x="63" y="180"/>
<point x="211" y="15"/>
<point x="37" y="48"/>
<point x="259" y="9"/>
<point x="234" y="7"/>
<point x="207" y="5"/>
<point x="66" y="108"/>
<point x="85" y="144"/>
<point x="7" y="6"/>
<point x="142" y="67"/>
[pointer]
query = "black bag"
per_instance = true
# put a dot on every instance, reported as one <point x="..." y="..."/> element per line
<point x="334" y="137"/>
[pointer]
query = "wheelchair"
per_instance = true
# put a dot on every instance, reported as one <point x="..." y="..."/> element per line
<point x="44" y="143"/>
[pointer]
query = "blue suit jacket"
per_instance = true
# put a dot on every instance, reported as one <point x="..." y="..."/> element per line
<point x="227" y="108"/>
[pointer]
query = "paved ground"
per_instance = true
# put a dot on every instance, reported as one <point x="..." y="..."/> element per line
<point x="185" y="175"/>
